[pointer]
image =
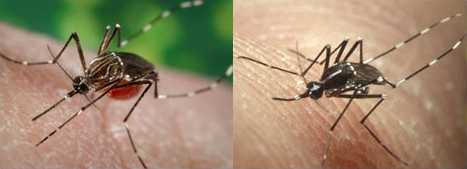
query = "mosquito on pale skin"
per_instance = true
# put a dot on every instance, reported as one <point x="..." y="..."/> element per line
<point x="352" y="80"/>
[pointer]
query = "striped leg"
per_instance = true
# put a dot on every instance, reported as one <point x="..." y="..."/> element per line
<point x="227" y="73"/>
<point x="133" y="145"/>
<point x="68" y="75"/>
<point x="74" y="36"/>
<point x="162" y="15"/>
<point x="82" y="109"/>
<point x="457" y="44"/>
<point x="67" y="96"/>
<point x="422" y="32"/>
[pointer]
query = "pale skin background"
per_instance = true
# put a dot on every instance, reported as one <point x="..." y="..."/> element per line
<point x="179" y="133"/>
<point x="422" y="121"/>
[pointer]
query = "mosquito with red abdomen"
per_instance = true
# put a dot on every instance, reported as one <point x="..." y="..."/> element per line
<point x="352" y="80"/>
<point x="117" y="74"/>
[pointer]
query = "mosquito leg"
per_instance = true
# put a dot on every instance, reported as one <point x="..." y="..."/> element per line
<point x="341" y="49"/>
<point x="351" y="97"/>
<point x="326" y="49"/>
<point x="82" y="109"/>
<point x="58" y="64"/>
<point x="357" y="96"/>
<point x="362" y="121"/>
<point x="162" y="15"/>
<point x="67" y="74"/>
<point x="375" y="137"/>
<point x="68" y="95"/>
<point x="108" y="36"/>
<point x="300" y="65"/>
<point x="457" y="44"/>
<point x="326" y="62"/>
<point x="358" y="44"/>
<point x="227" y="73"/>
<point x="104" y="40"/>
<point x="267" y="65"/>
<point x="343" y="111"/>
<point x="297" y="97"/>
<point x="295" y="51"/>
<point x="73" y="36"/>
<point x="149" y="84"/>
<point x="326" y="151"/>
<point x="422" y="32"/>
<point x="133" y="145"/>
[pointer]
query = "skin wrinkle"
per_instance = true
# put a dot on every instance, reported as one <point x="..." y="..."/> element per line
<point x="88" y="140"/>
<point x="316" y="23"/>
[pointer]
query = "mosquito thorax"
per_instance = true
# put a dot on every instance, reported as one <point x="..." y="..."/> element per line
<point x="80" y="85"/>
<point x="315" y="90"/>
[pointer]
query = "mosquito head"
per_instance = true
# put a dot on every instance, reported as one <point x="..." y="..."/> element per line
<point x="315" y="90"/>
<point x="80" y="85"/>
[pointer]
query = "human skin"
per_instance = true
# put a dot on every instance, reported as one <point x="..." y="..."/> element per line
<point x="422" y="121"/>
<point x="191" y="132"/>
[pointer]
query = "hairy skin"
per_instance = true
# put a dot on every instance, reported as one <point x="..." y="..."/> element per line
<point x="178" y="133"/>
<point x="422" y="121"/>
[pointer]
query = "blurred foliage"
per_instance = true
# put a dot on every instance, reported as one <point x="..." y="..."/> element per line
<point x="196" y="40"/>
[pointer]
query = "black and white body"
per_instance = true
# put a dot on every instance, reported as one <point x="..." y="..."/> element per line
<point x="352" y="80"/>
<point x="343" y="77"/>
<point x="115" y="73"/>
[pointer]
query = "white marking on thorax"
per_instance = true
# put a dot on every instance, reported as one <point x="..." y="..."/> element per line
<point x="333" y="74"/>
<point x="128" y="78"/>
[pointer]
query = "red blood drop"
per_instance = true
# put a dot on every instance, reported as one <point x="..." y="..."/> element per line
<point x="125" y="92"/>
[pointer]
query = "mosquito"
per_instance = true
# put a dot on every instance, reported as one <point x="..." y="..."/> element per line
<point x="352" y="80"/>
<point x="118" y="74"/>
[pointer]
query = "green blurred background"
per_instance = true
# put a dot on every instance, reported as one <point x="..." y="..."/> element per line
<point x="197" y="40"/>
